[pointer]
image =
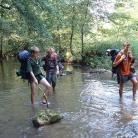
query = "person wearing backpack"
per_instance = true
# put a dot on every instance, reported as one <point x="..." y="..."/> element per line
<point x="36" y="76"/>
<point x="60" y="66"/>
<point x="51" y="67"/>
<point x="123" y="61"/>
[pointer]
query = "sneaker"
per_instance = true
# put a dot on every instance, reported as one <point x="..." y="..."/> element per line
<point x="44" y="103"/>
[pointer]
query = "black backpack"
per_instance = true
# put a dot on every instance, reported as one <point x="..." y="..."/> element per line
<point x="113" y="53"/>
<point x="23" y="57"/>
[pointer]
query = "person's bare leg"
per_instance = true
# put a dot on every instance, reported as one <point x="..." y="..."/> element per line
<point x="45" y="83"/>
<point x="134" y="89"/>
<point x="121" y="85"/>
<point x="33" y="91"/>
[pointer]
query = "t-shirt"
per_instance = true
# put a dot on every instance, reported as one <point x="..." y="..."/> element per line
<point x="50" y="61"/>
<point x="124" y="66"/>
<point x="34" y="65"/>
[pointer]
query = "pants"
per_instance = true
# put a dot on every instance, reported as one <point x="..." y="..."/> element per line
<point x="51" y="76"/>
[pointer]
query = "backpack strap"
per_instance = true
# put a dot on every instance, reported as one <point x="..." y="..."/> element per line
<point x="121" y="53"/>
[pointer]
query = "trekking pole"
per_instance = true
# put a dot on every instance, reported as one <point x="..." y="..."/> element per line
<point x="44" y="95"/>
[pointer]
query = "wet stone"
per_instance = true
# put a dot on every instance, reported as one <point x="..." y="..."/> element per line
<point x="45" y="117"/>
<point x="66" y="72"/>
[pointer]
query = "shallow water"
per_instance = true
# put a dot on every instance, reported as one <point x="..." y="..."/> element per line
<point x="89" y="104"/>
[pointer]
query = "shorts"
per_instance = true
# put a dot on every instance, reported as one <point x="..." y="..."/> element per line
<point x="125" y="78"/>
<point x="39" y="77"/>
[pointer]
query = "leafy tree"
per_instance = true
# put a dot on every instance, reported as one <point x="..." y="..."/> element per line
<point x="76" y="27"/>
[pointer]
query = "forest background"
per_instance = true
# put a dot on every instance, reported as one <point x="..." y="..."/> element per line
<point x="80" y="30"/>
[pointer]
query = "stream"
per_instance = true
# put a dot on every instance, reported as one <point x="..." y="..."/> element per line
<point x="88" y="102"/>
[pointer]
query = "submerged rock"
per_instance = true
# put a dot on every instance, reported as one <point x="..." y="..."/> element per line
<point x="45" y="117"/>
<point x="97" y="70"/>
<point x="66" y="72"/>
<point x="70" y="71"/>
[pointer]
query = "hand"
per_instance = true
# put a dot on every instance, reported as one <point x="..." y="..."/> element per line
<point x="35" y="81"/>
<point x="57" y="72"/>
<point x="130" y="55"/>
<point x="123" y="57"/>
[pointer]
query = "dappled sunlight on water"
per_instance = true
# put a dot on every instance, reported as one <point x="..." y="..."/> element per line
<point x="89" y="104"/>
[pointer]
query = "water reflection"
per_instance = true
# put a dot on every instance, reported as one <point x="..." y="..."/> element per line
<point x="89" y="103"/>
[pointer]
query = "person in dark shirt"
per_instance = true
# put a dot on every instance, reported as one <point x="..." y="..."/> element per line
<point x="51" y="67"/>
<point x="33" y="68"/>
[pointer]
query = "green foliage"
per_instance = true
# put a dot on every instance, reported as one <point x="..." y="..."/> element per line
<point x="99" y="62"/>
<point x="95" y="55"/>
<point x="99" y="48"/>
<point x="83" y="28"/>
<point x="134" y="48"/>
<point x="119" y="5"/>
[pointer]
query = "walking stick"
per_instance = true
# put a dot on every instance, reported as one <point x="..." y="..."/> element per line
<point x="44" y="95"/>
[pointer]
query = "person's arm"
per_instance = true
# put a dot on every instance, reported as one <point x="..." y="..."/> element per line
<point x="57" y="69"/>
<point x="34" y="78"/>
<point x="42" y="59"/>
<point x="29" y="70"/>
<point x="130" y="55"/>
<point x="42" y="63"/>
<point x="118" y="60"/>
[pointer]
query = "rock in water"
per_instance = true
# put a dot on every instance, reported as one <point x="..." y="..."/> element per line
<point x="45" y="117"/>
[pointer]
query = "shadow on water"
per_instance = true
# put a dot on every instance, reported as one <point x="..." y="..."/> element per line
<point x="88" y="102"/>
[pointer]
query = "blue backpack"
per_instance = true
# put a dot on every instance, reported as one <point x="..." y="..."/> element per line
<point x="23" y="57"/>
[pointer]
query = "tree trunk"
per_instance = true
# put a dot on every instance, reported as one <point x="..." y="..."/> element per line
<point x="72" y="32"/>
<point x="59" y="41"/>
<point x="82" y="32"/>
<point x="1" y="45"/>
<point x="1" y="37"/>
<point x="82" y="45"/>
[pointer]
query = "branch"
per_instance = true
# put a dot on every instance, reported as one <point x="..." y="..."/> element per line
<point x="8" y="8"/>
<point x="10" y="51"/>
